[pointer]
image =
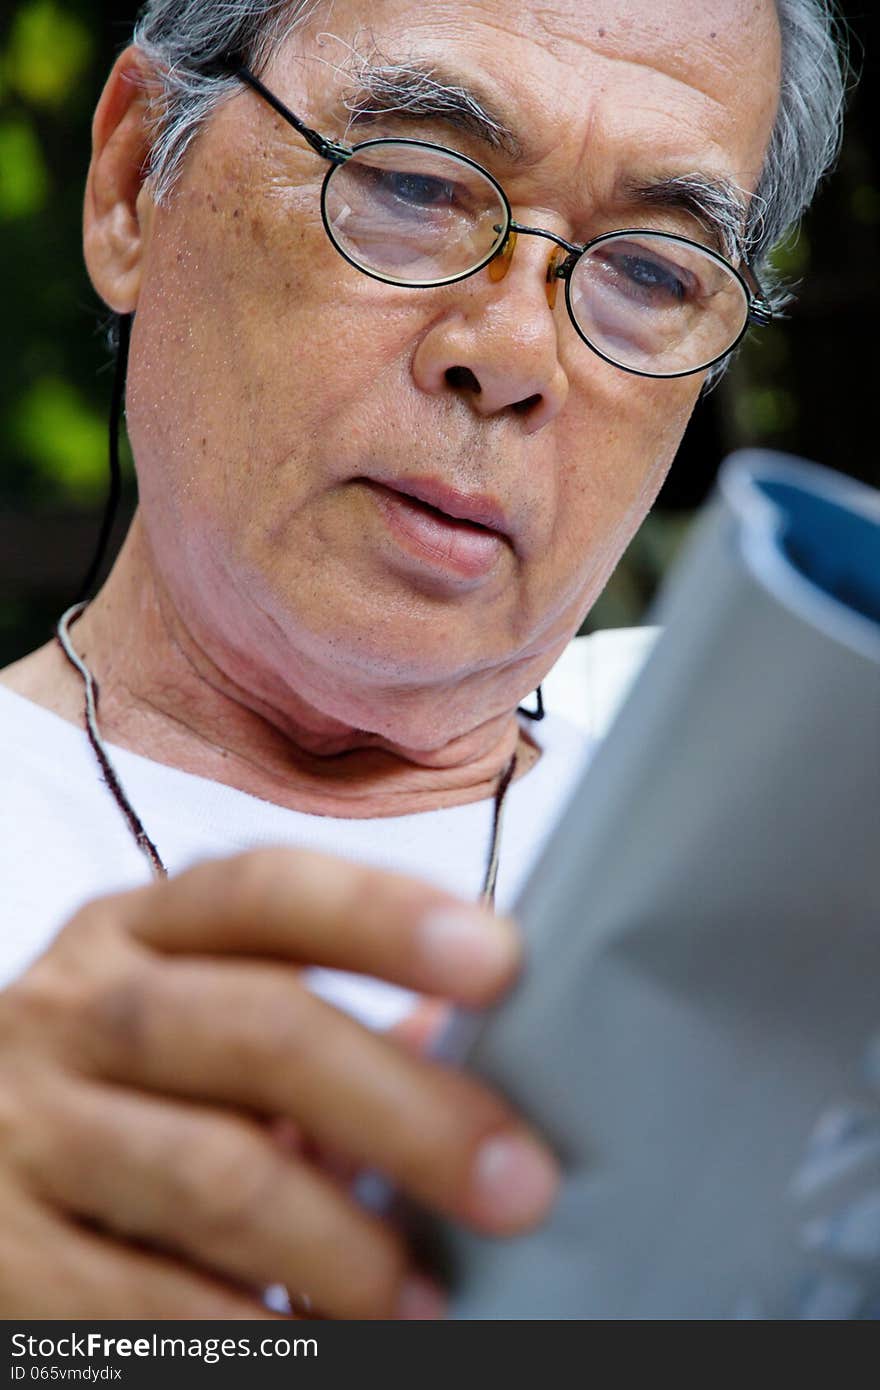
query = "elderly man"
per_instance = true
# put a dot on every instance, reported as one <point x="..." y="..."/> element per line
<point x="423" y="297"/>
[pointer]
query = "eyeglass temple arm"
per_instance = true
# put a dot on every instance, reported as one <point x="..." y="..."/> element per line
<point x="761" y="313"/>
<point x="327" y="149"/>
<point x="760" y="309"/>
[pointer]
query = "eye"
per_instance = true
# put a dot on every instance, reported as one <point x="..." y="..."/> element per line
<point x="646" y="277"/>
<point x="419" y="190"/>
<point x="650" y="274"/>
<point x="408" y="191"/>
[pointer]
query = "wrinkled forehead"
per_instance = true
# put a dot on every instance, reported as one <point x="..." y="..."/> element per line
<point x="696" y="78"/>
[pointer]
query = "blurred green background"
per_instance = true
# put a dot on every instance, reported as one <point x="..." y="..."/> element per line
<point x="807" y="385"/>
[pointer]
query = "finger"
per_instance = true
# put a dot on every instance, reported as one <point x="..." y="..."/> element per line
<point x="415" y="1034"/>
<point x="214" y="1189"/>
<point x="251" y="1036"/>
<point x="317" y="909"/>
<point x="291" y="1140"/>
<point x="287" y="1137"/>
<point x="53" y="1268"/>
<point x="421" y="1027"/>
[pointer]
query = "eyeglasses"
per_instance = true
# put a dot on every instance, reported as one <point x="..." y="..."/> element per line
<point x="416" y="214"/>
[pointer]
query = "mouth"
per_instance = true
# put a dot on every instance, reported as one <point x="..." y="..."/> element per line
<point x="449" y="503"/>
<point x="461" y="534"/>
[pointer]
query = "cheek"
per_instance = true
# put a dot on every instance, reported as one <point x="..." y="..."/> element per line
<point x="618" y="446"/>
<point x="214" y="320"/>
<point x="248" y="356"/>
<point x="624" y="436"/>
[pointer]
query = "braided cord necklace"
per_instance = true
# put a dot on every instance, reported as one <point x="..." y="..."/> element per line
<point x="133" y="820"/>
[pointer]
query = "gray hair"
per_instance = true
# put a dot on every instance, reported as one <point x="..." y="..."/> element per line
<point x="186" y="42"/>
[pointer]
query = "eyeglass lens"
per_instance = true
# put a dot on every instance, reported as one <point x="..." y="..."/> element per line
<point x="412" y="215"/>
<point x="652" y="302"/>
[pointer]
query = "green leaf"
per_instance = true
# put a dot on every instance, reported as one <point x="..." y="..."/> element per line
<point x="866" y="204"/>
<point x="63" y="437"/>
<point x="765" y="411"/>
<point x="792" y="256"/>
<point x="24" y="180"/>
<point x="49" y="50"/>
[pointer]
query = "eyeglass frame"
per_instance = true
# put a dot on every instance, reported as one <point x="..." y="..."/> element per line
<point x="759" y="311"/>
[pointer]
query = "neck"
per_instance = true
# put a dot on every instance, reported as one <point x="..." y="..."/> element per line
<point x="173" y="697"/>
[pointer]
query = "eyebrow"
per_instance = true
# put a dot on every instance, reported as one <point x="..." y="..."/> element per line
<point x="419" y="91"/>
<point x="415" y="91"/>
<point x="716" y="203"/>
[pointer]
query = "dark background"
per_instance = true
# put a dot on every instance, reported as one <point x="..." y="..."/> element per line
<point x="808" y="385"/>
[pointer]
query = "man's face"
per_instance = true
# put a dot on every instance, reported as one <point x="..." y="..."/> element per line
<point x="278" y="397"/>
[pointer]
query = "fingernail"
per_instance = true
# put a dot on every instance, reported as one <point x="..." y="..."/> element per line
<point x="420" y="1301"/>
<point x="514" y="1181"/>
<point x="468" y="949"/>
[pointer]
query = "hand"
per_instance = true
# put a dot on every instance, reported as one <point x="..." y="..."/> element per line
<point x="142" y="1056"/>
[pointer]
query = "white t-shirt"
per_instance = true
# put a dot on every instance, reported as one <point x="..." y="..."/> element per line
<point x="63" y="839"/>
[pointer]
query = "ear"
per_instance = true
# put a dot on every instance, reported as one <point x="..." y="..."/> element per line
<point x="118" y="209"/>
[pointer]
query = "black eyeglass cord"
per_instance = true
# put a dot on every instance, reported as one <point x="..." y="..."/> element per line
<point x="538" y="712"/>
<point x="111" y="506"/>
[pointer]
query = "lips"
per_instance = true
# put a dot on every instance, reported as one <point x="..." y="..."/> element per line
<point x="454" y="537"/>
<point x="476" y="507"/>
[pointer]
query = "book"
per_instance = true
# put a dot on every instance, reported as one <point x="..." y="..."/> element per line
<point x="697" y="1029"/>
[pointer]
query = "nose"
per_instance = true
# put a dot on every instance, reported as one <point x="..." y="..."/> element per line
<point x="497" y="345"/>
